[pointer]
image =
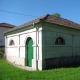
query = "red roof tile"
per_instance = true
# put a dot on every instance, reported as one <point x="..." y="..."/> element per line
<point x="7" y="25"/>
<point x="61" y="21"/>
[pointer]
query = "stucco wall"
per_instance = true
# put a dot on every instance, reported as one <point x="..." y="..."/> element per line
<point x="18" y="49"/>
<point x="44" y="48"/>
<point x="16" y="53"/>
<point x="71" y="37"/>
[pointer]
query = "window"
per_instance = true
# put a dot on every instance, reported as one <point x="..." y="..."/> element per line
<point x="59" y="41"/>
<point x="11" y="42"/>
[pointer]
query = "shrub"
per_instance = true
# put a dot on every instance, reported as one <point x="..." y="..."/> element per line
<point x="2" y="49"/>
<point x="1" y="54"/>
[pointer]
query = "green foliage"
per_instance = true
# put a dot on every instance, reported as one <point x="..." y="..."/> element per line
<point x="2" y="49"/>
<point x="1" y="54"/>
<point x="9" y="72"/>
<point x="57" y="15"/>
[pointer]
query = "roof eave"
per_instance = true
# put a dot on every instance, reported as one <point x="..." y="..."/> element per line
<point x="17" y="28"/>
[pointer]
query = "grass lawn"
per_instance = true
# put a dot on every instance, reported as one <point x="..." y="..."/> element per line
<point x="9" y="72"/>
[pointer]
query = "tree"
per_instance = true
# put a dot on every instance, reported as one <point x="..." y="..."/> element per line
<point x="57" y="15"/>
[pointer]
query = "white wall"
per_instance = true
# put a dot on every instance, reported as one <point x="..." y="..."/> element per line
<point x="43" y="45"/>
<point x="16" y="53"/>
<point x="71" y="37"/>
<point x="2" y="38"/>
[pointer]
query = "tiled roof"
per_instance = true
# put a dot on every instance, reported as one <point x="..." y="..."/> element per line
<point x="51" y="19"/>
<point x="33" y="21"/>
<point x="55" y="20"/>
<point x="7" y="25"/>
<point x="61" y="21"/>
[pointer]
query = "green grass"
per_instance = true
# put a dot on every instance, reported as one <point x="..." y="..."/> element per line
<point x="9" y="72"/>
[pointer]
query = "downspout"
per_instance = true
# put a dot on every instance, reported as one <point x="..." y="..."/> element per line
<point x="36" y="45"/>
<point x="36" y="49"/>
<point x="5" y="46"/>
<point x="19" y="45"/>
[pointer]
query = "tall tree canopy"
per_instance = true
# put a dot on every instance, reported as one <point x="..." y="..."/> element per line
<point x="56" y="14"/>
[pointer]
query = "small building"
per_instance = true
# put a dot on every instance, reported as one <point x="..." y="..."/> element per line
<point x="4" y="27"/>
<point x="45" y="42"/>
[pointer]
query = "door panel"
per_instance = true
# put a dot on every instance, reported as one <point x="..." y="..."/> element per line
<point x="30" y="52"/>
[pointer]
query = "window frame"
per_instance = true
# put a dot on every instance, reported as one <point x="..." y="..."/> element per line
<point x="11" y="43"/>
<point x="59" y="41"/>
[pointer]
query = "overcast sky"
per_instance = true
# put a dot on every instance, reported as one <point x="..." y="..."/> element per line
<point x="31" y="9"/>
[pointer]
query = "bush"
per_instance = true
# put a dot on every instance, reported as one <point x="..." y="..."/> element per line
<point x="2" y="49"/>
<point x="1" y="54"/>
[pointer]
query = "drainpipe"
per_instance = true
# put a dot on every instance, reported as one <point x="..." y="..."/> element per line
<point x="5" y="46"/>
<point x="36" y="45"/>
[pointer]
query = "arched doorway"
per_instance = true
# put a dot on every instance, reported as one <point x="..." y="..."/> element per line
<point x="29" y="51"/>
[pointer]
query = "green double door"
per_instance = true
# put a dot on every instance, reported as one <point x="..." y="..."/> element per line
<point x="30" y="53"/>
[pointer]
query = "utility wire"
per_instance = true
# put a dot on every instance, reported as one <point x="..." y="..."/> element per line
<point x="18" y="13"/>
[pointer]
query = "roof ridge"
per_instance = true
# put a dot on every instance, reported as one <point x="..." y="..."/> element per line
<point x="45" y="16"/>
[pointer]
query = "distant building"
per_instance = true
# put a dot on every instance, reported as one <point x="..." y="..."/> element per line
<point x="4" y="27"/>
<point x="45" y="42"/>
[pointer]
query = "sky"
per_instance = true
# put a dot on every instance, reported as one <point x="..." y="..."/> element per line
<point x="31" y="9"/>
